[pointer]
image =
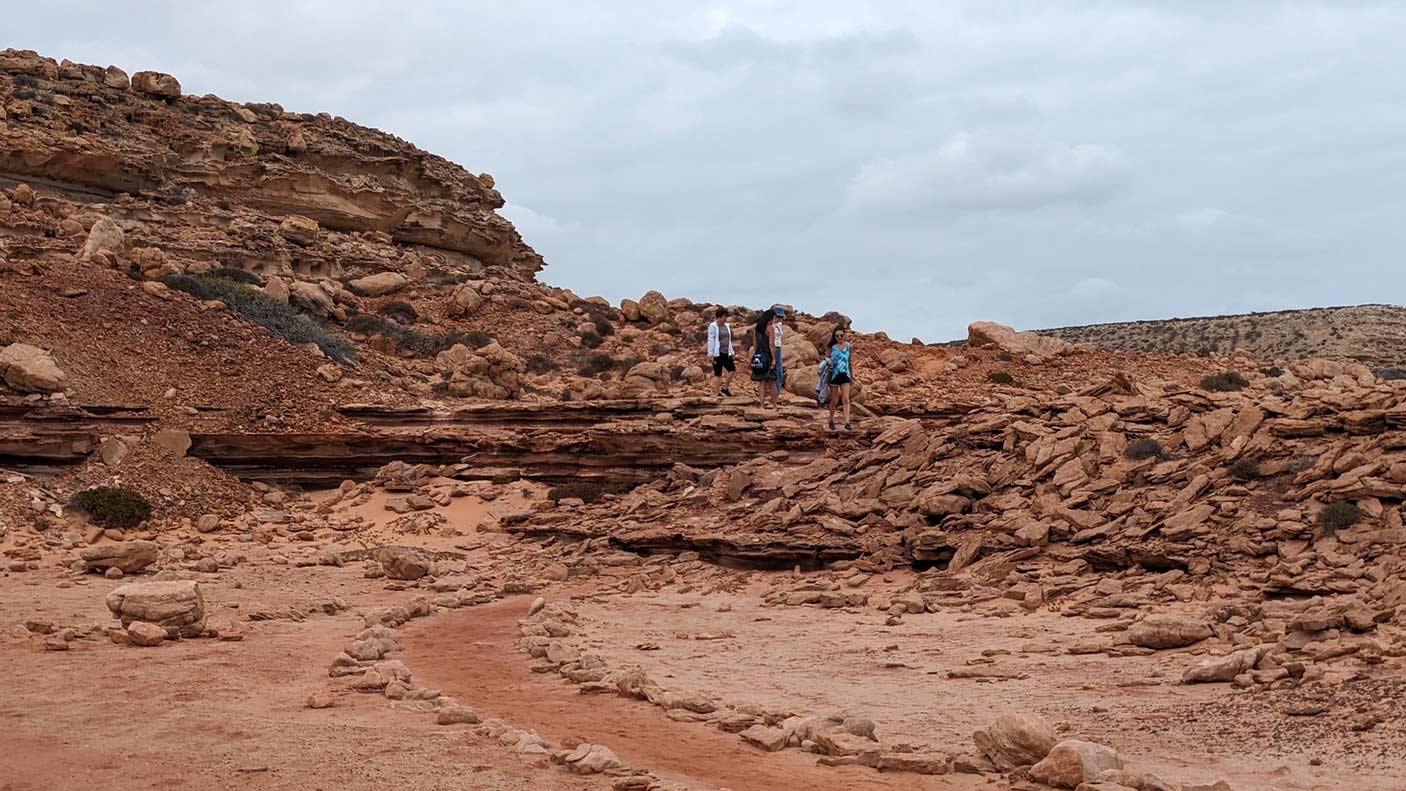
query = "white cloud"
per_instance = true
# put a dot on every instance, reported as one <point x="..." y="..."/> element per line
<point x="988" y="170"/>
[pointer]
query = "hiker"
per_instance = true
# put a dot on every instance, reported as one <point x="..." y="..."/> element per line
<point x="840" y="374"/>
<point x="779" y="311"/>
<point x="720" y="351"/>
<point x="763" y="366"/>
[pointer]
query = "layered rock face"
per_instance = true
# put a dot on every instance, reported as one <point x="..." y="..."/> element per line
<point x="94" y="133"/>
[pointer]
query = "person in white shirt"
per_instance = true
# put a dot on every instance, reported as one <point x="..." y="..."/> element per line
<point x="780" y="312"/>
<point x="720" y="351"/>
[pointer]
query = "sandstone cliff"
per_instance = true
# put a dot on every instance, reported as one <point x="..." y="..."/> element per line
<point x="94" y="134"/>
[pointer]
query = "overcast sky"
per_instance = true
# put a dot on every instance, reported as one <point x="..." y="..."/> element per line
<point x="915" y="165"/>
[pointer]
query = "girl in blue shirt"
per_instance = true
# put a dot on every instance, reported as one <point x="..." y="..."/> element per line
<point x="841" y="374"/>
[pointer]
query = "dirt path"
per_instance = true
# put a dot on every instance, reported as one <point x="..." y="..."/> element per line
<point x="472" y="655"/>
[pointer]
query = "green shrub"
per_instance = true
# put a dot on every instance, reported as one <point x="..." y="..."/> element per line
<point x="400" y="310"/>
<point x="237" y="275"/>
<point x="1272" y="370"/>
<point x="595" y="364"/>
<point x="1145" y="448"/>
<point x="507" y="477"/>
<point x="423" y="344"/>
<point x="366" y="324"/>
<point x="1000" y="378"/>
<point x="193" y="286"/>
<point x="592" y="341"/>
<point x="1005" y="357"/>
<point x="541" y="364"/>
<point x="605" y="326"/>
<point x="1245" y="469"/>
<point x="1224" y="382"/>
<point x="1339" y="516"/>
<point x="113" y="506"/>
<point x="658" y="350"/>
<point x="281" y="319"/>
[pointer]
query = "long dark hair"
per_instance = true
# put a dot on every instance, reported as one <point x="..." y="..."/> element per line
<point x="762" y="323"/>
<point x="835" y="337"/>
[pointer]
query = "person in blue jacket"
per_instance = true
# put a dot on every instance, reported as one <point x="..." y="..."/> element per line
<point x="841" y="374"/>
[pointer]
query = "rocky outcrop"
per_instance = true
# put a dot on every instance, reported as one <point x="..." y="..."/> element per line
<point x="1168" y="631"/>
<point x="1015" y="740"/>
<point x="316" y="171"/>
<point x="175" y="606"/>
<point x="988" y="333"/>
<point x="129" y="556"/>
<point x="1073" y="762"/>
<point x="490" y="372"/>
<point x="30" y="369"/>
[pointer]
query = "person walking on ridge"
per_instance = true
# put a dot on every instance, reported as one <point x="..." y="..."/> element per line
<point x="840" y="374"/>
<point x="763" y="361"/>
<point x="780" y="313"/>
<point x="721" y="353"/>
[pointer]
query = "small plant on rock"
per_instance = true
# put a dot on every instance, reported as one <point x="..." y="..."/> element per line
<point x="237" y="275"/>
<point x="1224" y="382"/>
<point x="1000" y="378"/>
<point x="1245" y="469"/>
<point x="541" y="364"/>
<point x="1339" y="516"/>
<point x="400" y="310"/>
<point x="113" y="506"/>
<point x="1145" y="448"/>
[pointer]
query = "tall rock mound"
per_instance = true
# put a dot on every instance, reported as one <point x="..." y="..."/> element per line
<point x="95" y="133"/>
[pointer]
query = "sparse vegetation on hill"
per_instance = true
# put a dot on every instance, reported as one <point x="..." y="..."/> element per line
<point x="1370" y="334"/>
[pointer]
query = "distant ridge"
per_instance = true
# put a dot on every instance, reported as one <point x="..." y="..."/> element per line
<point x="1373" y="334"/>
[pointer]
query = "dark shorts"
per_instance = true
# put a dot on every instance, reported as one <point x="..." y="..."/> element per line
<point x="722" y="361"/>
<point x="839" y="379"/>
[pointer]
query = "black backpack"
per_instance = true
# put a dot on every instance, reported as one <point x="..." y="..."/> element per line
<point x="761" y="361"/>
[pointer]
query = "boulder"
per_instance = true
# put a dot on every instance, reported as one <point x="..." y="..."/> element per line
<point x="490" y="372"/>
<point x="114" y="77"/>
<point x="175" y="606"/>
<point x="276" y="288"/>
<point x="990" y="334"/>
<point x="141" y="633"/>
<point x="129" y="556"/>
<point x="311" y="297"/>
<point x="104" y="237"/>
<point x="175" y="440"/>
<point x="653" y="308"/>
<point x="1168" y="631"/>
<point x="155" y="83"/>
<point x="379" y="284"/>
<point x="465" y="300"/>
<point x="590" y="759"/>
<point x="1072" y="762"/>
<point x="630" y="310"/>
<point x="400" y="563"/>
<point x="1015" y="740"/>
<point x="457" y="714"/>
<point x="1223" y="668"/>
<point x="300" y="230"/>
<point x="30" y="369"/>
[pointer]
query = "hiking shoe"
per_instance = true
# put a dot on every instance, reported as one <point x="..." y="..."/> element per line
<point x="832" y="425"/>
<point x="727" y="392"/>
<point x="848" y="427"/>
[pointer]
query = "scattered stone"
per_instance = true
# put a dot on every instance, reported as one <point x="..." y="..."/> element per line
<point x="145" y="634"/>
<point x="1072" y="762"/>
